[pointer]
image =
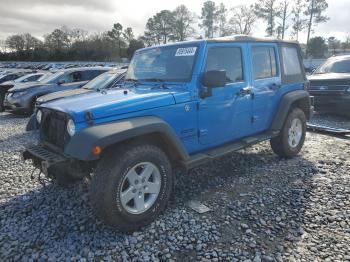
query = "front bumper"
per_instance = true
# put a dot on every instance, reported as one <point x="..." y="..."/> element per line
<point x="44" y="159"/>
<point x="333" y="103"/>
<point x="15" y="104"/>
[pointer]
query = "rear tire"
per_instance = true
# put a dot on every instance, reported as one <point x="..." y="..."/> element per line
<point x="292" y="136"/>
<point x="131" y="186"/>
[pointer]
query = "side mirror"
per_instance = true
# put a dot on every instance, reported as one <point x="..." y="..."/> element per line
<point x="212" y="79"/>
<point x="60" y="82"/>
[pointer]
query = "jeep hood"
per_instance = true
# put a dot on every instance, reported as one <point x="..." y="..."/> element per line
<point x="115" y="102"/>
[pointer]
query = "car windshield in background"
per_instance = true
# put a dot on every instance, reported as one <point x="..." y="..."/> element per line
<point x="168" y="63"/>
<point x="44" y="77"/>
<point x="22" y="78"/>
<point x="101" y="82"/>
<point x="51" y="78"/>
<point x="334" y="66"/>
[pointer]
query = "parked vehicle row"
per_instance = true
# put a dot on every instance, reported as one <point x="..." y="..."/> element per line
<point x="180" y="105"/>
<point x="53" y="66"/>
<point x="21" y="94"/>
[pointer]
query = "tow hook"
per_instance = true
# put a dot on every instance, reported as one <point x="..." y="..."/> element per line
<point x="41" y="180"/>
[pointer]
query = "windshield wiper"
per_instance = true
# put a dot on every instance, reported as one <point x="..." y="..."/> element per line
<point x="158" y="80"/>
<point x="154" y="80"/>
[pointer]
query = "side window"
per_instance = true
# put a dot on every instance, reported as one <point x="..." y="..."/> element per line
<point x="290" y="61"/>
<point x="77" y="76"/>
<point x="264" y="62"/>
<point x="90" y="74"/>
<point x="68" y="78"/>
<point x="228" y="59"/>
<point x="31" y="78"/>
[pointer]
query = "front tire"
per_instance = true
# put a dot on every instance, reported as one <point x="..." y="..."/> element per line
<point x="131" y="187"/>
<point x="292" y="136"/>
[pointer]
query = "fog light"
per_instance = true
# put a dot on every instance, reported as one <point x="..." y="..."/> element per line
<point x="39" y="115"/>
<point x="71" y="127"/>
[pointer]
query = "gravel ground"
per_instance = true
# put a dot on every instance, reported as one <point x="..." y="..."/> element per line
<point x="262" y="209"/>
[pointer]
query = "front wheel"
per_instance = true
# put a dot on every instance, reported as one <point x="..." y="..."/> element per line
<point x="131" y="187"/>
<point x="292" y="136"/>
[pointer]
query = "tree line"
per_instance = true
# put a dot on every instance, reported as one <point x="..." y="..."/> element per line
<point x="282" y="18"/>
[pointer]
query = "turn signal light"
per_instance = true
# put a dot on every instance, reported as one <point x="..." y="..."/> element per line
<point x="96" y="150"/>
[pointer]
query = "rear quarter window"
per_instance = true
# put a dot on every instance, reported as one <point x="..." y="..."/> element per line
<point x="290" y="61"/>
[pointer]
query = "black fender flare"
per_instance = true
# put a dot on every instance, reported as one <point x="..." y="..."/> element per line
<point x="300" y="97"/>
<point x="81" y="145"/>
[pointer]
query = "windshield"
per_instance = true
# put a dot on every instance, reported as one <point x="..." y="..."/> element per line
<point x="102" y="81"/>
<point x="23" y="78"/>
<point x="168" y="63"/>
<point x="334" y="66"/>
<point x="52" y="77"/>
<point x="44" y="77"/>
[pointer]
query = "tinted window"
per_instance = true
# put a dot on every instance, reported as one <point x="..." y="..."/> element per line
<point x="228" y="59"/>
<point x="264" y="62"/>
<point x="291" y="64"/>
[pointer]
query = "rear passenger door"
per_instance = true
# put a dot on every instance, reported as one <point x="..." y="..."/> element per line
<point x="266" y="81"/>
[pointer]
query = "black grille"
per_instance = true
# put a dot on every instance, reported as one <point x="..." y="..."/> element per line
<point x="53" y="128"/>
<point x="329" y="88"/>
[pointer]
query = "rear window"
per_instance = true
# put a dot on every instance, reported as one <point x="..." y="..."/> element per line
<point x="290" y="61"/>
<point x="264" y="62"/>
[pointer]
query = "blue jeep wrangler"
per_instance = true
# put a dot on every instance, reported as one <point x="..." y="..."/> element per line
<point x="182" y="104"/>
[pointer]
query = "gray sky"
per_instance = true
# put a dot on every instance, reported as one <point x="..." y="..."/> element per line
<point x="39" y="17"/>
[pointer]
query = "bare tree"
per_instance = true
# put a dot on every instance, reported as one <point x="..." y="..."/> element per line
<point x="299" y="23"/>
<point x="183" y="23"/>
<point x="243" y="19"/>
<point x="315" y="11"/>
<point x="283" y="14"/>
<point x="208" y="17"/>
<point x="221" y="18"/>
<point x="266" y="10"/>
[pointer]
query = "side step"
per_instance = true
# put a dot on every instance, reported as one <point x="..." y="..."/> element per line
<point x="203" y="157"/>
<point x="328" y="129"/>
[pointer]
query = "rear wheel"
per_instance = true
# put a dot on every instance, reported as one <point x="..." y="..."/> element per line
<point x="292" y="136"/>
<point x="131" y="187"/>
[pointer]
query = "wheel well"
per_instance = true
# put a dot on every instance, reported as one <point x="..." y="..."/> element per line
<point x="304" y="105"/>
<point x="158" y="139"/>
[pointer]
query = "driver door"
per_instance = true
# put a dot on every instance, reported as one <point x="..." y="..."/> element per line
<point x="226" y="115"/>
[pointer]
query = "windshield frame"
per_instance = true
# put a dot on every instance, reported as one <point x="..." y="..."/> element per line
<point x="152" y="79"/>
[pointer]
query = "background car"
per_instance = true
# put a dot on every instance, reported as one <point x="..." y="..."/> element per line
<point x="110" y="79"/>
<point x="104" y="81"/>
<point x="330" y="86"/>
<point x="15" y="77"/>
<point x="23" y="98"/>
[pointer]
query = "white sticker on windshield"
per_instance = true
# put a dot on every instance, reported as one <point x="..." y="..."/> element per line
<point x="187" y="51"/>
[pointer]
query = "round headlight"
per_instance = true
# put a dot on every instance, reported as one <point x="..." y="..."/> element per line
<point x="71" y="127"/>
<point x="39" y="115"/>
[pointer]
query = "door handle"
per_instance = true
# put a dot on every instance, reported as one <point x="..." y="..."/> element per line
<point x="245" y="91"/>
<point x="274" y="86"/>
